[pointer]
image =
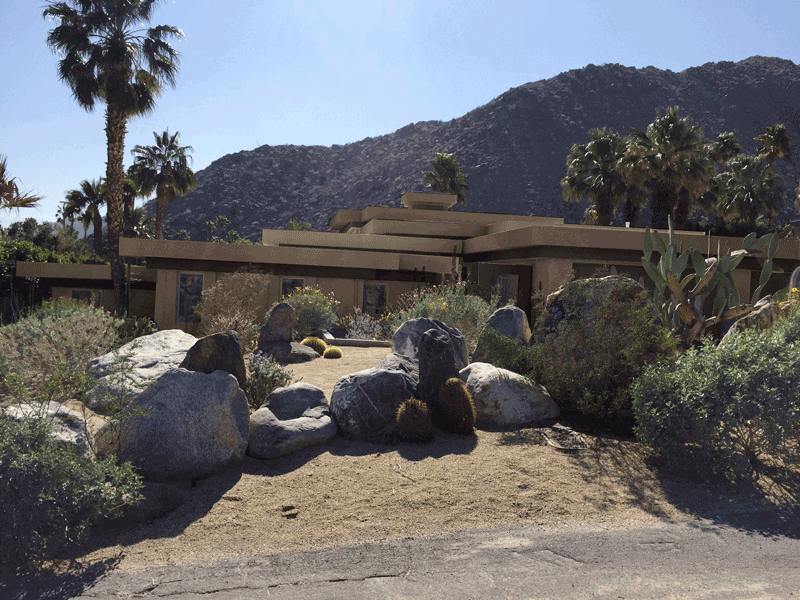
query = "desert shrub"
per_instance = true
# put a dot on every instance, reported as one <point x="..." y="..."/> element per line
<point x="451" y="305"/>
<point x="315" y="344"/>
<point x="728" y="404"/>
<point x="239" y="303"/>
<point x="49" y="494"/>
<point x="510" y="354"/>
<point x="134" y="327"/>
<point x="361" y="326"/>
<point x="264" y="375"/>
<point x="590" y="361"/>
<point x="315" y="310"/>
<point x="45" y="354"/>
<point x="332" y="352"/>
<point x="454" y="410"/>
<point x="413" y="422"/>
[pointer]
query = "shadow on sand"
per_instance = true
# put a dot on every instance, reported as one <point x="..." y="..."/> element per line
<point x="767" y="502"/>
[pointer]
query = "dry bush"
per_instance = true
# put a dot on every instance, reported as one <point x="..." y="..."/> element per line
<point x="238" y="302"/>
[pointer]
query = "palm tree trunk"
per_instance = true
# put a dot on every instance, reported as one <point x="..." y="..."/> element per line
<point x="159" y="217"/>
<point x="663" y="203"/>
<point x="97" y="223"/>
<point x="115" y="174"/>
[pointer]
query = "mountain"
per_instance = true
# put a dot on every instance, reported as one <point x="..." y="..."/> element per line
<point x="513" y="149"/>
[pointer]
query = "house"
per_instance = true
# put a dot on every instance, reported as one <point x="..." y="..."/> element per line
<point x="370" y="257"/>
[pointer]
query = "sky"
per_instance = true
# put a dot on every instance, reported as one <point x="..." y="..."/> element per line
<point x="317" y="72"/>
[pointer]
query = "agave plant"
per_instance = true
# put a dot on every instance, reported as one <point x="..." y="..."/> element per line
<point x="681" y="298"/>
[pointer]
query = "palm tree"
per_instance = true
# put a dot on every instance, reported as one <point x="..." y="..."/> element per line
<point x="750" y="189"/>
<point x="85" y="203"/>
<point x="447" y="177"/>
<point x="774" y="143"/>
<point x="672" y="162"/>
<point x="10" y="196"/>
<point x="592" y="174"/>
<point x="108" y="56"/>
<point x="163" y="168"/>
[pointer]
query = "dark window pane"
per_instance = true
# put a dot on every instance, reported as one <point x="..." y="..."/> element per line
<point x="190" y="289"/>
<point x="374" y="298"/>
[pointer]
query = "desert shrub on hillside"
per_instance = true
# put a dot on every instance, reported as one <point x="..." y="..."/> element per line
<point x="361" y="326"/>
<point x="315" y="310"/>
<point x="451" y="305"/>
<point x="728" y="404"/>
<point x="238" y="302"/>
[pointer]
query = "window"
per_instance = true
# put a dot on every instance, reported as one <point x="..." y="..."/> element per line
<point x="507" y="288"/>
<point x="190" y="289"/>
<point x="374" y="298"/>
<point x="289" y="285"/>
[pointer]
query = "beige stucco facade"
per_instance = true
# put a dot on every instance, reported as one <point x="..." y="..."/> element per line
<point x="370" y="257"/>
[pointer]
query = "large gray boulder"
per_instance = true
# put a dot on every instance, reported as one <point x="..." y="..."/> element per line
<point x="278" y="326"/>
<point x="68" y="426"/>
<point x="217" y="352"/>
<point x="404" y="365"/>
<point x="437" y="364"/>
<point x="288" y="353"/>
<point x="186" y="425"/>
<point x="146" y="358"/>
<point x="407" y="338"/>
<point x="292" y="418"/>
<point x="509" y="321"/>
<point x="504" y="399"/>
<point x="365" y="403"/>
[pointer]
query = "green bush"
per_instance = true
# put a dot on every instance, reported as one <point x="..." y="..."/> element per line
<point x="510" y="354"/>
<point x="49" y="494"/>
<point x="45" y="354"/>
<point x="413" y="422"/>
<point x="451" y="305"/>
<point x="361" y="326"/>
<point x="134" y="327"/>
<point x="315" y="344"/>
<point x="264" y="375"/>
<point x="315" y="310"/>
<point x="454" y="410"/>
<point x="590" y="360"/>
<point x="727" y="404"/>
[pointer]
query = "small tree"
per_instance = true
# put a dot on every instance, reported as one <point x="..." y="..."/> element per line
<point x="447" y="177"/>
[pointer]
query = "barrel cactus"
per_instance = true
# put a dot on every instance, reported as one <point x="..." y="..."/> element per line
<point x="454" y="410"/>
<point x="413" y="421"/>
<point x="332" y="352"/>
<point x="315" y="344"/>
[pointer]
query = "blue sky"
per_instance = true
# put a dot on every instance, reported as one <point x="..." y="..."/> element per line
<point x="314" y="72"/>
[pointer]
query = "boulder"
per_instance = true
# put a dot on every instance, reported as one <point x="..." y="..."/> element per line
<point x="147" y="357"/>
<point x="504" y="399"/>
<point x="217" y="352"/>
<point x="186" y="425"/>
<point x="509" y="321"/>
<point x="68" y="426"/>
<point x="288" y="353"/>
<point x="761" y="318"/>
<point x="407" y="338"/>
<point x="278" y="326"/>
<point x="404" y="365"/>
<point x="365" y="403"/>
<point x="292" y="418"/>
<point x="437" y="364"/>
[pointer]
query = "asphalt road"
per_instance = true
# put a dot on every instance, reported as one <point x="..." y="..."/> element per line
<point x="698" y="560"/>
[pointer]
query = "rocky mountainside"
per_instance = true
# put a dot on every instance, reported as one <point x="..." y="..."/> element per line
<point x="512" y="149"/>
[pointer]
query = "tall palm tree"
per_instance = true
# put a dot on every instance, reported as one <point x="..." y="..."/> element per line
<point x="163" y="168"/>
<point x="108" y="56"/>
<point x="592" y="174"/>
<point x="447" y="177"/>
<point x="774" y="143"/>
<point x="750" y="189"/>
<point x="85" y="202"/>
<point x="672" y="162"/>
<point x="10" y="196"/>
